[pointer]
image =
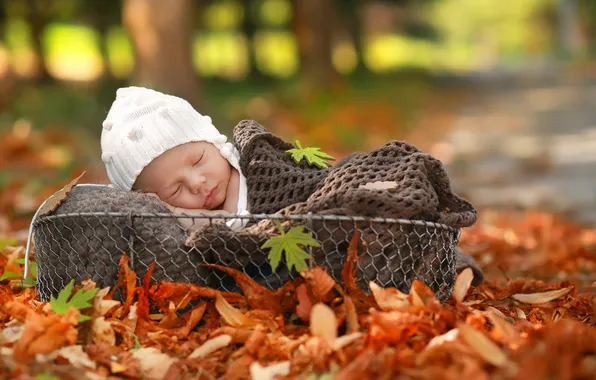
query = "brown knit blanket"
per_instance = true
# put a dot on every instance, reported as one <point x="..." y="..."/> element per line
<point x="416" y="185"/>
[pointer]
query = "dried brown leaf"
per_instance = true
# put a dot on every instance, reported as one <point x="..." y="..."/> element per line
<point x="232" y="316"/>
<point x="345" y="340"/>
<point x="319" y="283"/>
<point x="462" y="284"/>
<point x="76" y="356"/>
<point x="352" y="324"/>
<point x="389" y="298"/>
<point x="270" y="372"/>
<point x="323" y="323"/>
<point x="485" y="347"/>
<point x="154" y="363"/>
<point x="52" y="203"/>
<point x="305" y="304"/>
<point x="257" y="295"/>
<point x="102" y="331"/>
<point x="538" y="298"/>
<point x="379" y="185"/>
<point x="210" y="346"/>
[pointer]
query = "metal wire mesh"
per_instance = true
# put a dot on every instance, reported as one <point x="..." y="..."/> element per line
<point x="392" y="252"/>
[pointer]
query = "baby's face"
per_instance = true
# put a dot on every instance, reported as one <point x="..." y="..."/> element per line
<point x="193" y="176"/>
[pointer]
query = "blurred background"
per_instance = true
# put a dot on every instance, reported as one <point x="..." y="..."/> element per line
<point x="503" y="92"/>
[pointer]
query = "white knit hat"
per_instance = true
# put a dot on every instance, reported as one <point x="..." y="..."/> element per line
<point x="142" y="124"/>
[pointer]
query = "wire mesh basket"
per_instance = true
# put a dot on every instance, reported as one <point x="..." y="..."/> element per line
<point x="392" y="252"/>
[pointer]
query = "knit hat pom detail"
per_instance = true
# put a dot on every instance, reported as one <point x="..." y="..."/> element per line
<point x="106" y="157"/>
<point x="135" y="134"/>
<point x="221" y="139"/>
<point x="226" y="150"/>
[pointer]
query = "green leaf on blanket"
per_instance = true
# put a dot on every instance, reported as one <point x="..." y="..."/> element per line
<point x="81" y="300"/>
<point x="314" y="156"/>
<point x="290" y="242"/>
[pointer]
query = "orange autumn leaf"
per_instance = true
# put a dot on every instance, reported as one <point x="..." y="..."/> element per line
<point x="256" y="294"/>
<point x="319" y="283"/>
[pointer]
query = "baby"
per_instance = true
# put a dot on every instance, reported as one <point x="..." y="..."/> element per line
<point x="159" y="144"/>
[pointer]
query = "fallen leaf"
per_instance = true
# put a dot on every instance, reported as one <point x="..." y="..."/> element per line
<point x="520" y="313"/>
<point x="210" y="346"/>
<point x="462" y="284"/>
<point x="51" y="204"/>
<point x="538" y="298"/>
<point x="257" y="295"/>
<point x="345" y="340"/>
<point x="101" y="306"/>
<point x="379" y="185"/>
<point x="76" y="356"/>
<point x="11" y="334"/>
<point x="389" y="298"/>
<point x="154" y="363"/>
<point x="305" y="304"/>
<point x="258" y="372"/>
<point x="116" y="367"/>
<point x="232" y="316"/>
<point x="502" y="325"/>
<point x="485" y="347"/>
<point x="438" y="340"/>
<point x="319" y="282"/>
<point x="323" y="323"/>
<point x="352" y="324"/>
<point x="102" y="331"/>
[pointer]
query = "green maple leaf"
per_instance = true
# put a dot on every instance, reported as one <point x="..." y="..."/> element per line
<point x="290" y="242"/>
<point x="80" y="300"/>
<point x="30" y="281"/>
<point x="313" y="155"/>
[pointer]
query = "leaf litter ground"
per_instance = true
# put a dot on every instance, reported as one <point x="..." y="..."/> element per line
<point x="534" y="318"/>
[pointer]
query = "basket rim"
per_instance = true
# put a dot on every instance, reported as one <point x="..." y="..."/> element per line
<point x="259" y="217"/>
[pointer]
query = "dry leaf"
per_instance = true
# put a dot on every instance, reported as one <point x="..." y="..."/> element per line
<point x="323" y="323"/>
<point x="304" y="306"/>
<point x="52" y="203"/>
<point x="116" y="367"/>
<point x="102" y="331"/>
<point x="502" y="324"/>
<point x="76" y="356"/>
<point x="520" y="313"/>
<point x="462" y="284"/>
<point x="154" y="363"/>
<point x="538" y="298"/>
<point x="352" y="324"/>
<point x="344" y="340"/>
<point x="232" y="316"/>
<point x="11" y="334"/>
<point x="438" y="340"/>
<point x="100" y="305"/>
<point x="389" y="299"/>
<point x="258" y="372"/>
<point x="485" y="347"/>
<point x="211" y="346"/>
<point x="319" y="281"/>
<point x="379" y="185"/>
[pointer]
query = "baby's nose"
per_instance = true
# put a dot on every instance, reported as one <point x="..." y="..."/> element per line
<point x="195" y="183"/>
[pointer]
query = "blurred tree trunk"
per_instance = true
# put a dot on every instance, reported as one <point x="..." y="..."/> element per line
<point x="569" y="26"/>
<point x="352" y="19"/>
<point x="37" y="20"/>
<point x="161" y="33"/>
<point x="313" y="27"/>
<point x="249" y="29"/>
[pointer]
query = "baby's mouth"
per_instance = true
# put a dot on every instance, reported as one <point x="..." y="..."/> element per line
<point x="209" y="197"/>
